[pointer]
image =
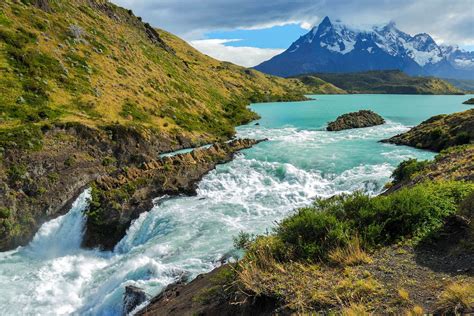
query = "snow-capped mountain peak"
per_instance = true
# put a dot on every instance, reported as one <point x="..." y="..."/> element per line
<point x="337" y="47"/>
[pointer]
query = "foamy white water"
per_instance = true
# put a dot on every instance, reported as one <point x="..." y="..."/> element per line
<point x="190" y="235"/>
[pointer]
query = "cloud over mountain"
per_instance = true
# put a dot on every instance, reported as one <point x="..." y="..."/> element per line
<point x="447" y="21"/>
<point x="244" y="56"/>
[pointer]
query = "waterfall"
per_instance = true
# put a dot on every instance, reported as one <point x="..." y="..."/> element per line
<point x="62" y="235"/>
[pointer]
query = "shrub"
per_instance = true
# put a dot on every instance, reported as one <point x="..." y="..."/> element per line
<point x="243" y="240"/>
<point x="264" y="246"/>
<point x="107" y="161"/>
<point x="437" y="133"/>
<point x="16" y="173"/>
<point x="4" y="212"/>
<point x="69" y="162"/>
<point x="314" y="232"/>
<point x="130" y="109"/>
<point x="462" y="138"/>
<point x="467" y="207"/>
<point x="407" y="168"/>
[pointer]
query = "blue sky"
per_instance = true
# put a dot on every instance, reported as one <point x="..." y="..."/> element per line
<point x="248" y="32"/>
<point x="280" y="36"/>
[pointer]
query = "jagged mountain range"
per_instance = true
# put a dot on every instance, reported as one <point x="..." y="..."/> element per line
<point x="336" y="47"/>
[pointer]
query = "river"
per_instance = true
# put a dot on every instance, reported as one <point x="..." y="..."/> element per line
<point x="189" y="235"/>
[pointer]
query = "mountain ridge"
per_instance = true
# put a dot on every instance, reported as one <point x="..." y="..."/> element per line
<point x="336" y="47"/>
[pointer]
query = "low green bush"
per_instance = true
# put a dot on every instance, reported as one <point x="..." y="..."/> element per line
<point x="4" y="212"/>
<point x="462" y="138"/>
<point x="130" y="109"/>
<point x="311" y="232"/>
<point x="16" y="173"/>
<point x="411" y="213"/>
<point x="407" y="168"/>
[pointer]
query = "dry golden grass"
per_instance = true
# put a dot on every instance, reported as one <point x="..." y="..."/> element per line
<point x="352" y="254"/>
<point x="355" y="310"/>
<point x="417" y="310"/>
<point x="353" y="287"/>
<point x="456" y="298"/>
<point x="403" y="294"/>
<point x="305" y="287"/>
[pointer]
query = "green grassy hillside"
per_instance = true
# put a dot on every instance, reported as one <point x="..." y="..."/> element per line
<point x="393" y="81"/>
<point x="95" y="63"/>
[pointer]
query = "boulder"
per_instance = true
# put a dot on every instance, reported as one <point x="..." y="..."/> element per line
<point x="132" y="297"/>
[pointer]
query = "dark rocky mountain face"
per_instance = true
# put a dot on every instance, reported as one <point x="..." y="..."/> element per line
<point x="335" y="47"/>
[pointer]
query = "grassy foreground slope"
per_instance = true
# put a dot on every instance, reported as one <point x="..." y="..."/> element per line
<point x="391" y="82"/>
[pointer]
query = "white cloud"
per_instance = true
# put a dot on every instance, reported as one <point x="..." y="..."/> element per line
<point x="244" y="56"/>
<point x="306" y="26"/>
<point x="449" y="21"/>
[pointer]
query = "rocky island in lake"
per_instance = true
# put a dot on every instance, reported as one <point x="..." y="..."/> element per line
<point x="470" y="101"/>
<point x="362" y="118"/>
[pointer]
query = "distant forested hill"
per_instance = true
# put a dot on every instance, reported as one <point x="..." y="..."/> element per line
<point x="390" y="81"/>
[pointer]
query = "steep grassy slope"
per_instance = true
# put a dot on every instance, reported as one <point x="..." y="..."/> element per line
<point x="454" y="163"/>
<point x="395" y="82"/>
<point x="95" y="63"/>
<point x="451" y="134"/>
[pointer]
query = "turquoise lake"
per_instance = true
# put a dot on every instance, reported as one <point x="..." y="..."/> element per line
<point x="191" y="235"/>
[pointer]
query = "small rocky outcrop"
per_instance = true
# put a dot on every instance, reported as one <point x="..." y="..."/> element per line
<point x="362" y="118"/>
<point x="203" y="296"/>
<point x="120" y="197"/>
<point x="470" y="101"/>
<point x="439" y="132"/>
<point x="132" y="297"/>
